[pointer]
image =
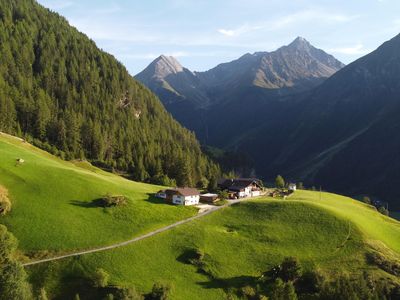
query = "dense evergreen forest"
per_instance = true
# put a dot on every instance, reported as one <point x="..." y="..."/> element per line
<point x="60" y="91"/>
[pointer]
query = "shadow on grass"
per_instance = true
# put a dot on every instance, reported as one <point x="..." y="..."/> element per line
<point x="92" y="204"/>
<point x="229" y="283"/>
<point x="153" y="199"/>
<point x="188" y="256"/>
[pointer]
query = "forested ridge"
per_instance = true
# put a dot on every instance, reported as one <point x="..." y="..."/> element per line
<point x="69" y="97"/>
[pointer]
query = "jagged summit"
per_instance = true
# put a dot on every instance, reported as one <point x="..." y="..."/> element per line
<point x="300" y="43"/>
<point x="165" y="65"/>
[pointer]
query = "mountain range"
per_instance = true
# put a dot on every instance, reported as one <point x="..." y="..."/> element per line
<point x="300" y="112"/>
<point x="197" y="99"/>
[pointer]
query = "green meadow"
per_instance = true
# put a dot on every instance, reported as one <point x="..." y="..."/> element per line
<point x="53" y="200"/>
<point x="240" y="242"/>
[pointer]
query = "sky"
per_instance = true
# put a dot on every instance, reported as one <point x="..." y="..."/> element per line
<point x="203" y="33"/>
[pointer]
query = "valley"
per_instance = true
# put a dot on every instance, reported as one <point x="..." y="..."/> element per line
<point x="273" y="175"/>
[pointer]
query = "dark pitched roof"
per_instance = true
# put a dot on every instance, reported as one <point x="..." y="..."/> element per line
<point x="183" y="191"/>
<point x="238" y="183"/>
<point x="188" y="191"/>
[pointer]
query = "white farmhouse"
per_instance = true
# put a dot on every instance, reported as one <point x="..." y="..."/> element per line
<point x="241" y="187"/>
<point x="292" y="187"/>
<point x="180" y="196"/>
<point x="186" y="196"/>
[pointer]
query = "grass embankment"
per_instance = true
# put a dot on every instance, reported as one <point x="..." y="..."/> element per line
<point x="53" y="207"/>
<point x="241" y="242"/>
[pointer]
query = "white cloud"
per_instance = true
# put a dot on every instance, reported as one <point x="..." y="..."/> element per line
<point x="315" y="16"/>
<point x="227" y="32"/>
<point x="353" y="50"/>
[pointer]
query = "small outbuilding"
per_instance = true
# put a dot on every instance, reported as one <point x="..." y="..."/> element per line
<point x="209" y="198"/>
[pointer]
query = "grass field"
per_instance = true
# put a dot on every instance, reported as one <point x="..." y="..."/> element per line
<point x="52" y="202"/>
<point x="53" y="211"/>
<point x="241" y="242"/>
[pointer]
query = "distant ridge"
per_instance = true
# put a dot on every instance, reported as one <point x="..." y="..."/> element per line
<point x="199" y="100"/>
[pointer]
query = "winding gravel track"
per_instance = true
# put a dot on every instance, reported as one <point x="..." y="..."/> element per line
<point x="136" y="239"/>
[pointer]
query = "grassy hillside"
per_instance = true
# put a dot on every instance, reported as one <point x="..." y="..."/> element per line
<point x="240" y="242"/>
<point x="52" y="202"/>
<point x="53" y="211"/>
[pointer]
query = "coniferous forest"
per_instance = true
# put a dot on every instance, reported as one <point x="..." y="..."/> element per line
<point x="58" y="90"/>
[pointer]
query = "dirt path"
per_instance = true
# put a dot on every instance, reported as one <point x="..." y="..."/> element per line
<point x="136" y="239"/>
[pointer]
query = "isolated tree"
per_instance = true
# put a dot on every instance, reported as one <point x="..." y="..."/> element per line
<point x="300" y="186"/>
<point x="366" y="200"/>
<point x="279" y="182"/>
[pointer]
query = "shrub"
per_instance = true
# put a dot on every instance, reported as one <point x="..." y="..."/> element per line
<point x="248" y="292"/>
<point x="100" y="278"/>
<point x="13" y="278"/>
<point x="223" y="195"/>
<point x="311" y="282"/>
<point x="128" y="294"/>
<point x="160" y="291"/>
<point x="290" y="269"/>
<point x="5" y="203"/>
<point x="366" y="200"/>
<point x="114" y="200"/>
<point x="383" y="211"/>
<point x="221" y="202"/>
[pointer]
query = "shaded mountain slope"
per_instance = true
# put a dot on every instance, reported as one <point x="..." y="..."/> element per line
<point x="343" y="135"/>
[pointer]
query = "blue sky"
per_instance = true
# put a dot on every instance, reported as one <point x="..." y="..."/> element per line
<point x="204" y="33"/>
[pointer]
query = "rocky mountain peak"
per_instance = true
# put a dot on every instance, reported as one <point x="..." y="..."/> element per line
<point x="165" y="65"/>
<point x="300" y="43"/>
